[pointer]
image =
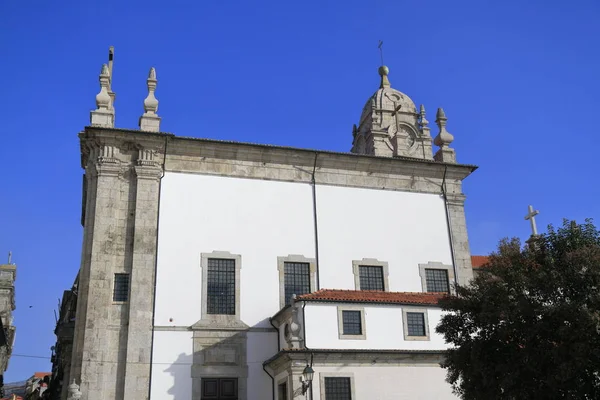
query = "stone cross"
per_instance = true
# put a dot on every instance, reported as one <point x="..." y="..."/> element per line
<point x="531" y="217"/>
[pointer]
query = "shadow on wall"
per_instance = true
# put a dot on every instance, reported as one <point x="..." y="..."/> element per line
<point x="180" y="370"/>
<point x="229" y="356"/>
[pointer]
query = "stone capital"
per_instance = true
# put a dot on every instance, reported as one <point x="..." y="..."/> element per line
<point x="111" y="168"/>
<point x="151" y="172"/>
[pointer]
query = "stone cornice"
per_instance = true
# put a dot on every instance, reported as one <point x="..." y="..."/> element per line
<point x="258" y="161"/>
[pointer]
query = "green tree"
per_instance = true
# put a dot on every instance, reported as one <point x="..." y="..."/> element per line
<point x="528" y="326"/>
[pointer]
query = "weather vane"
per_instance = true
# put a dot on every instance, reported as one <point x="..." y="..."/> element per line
<point x="380" y="47"/>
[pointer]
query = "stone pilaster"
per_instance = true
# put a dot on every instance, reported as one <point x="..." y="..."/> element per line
<point x="139" y="340"/>
<point x="458" y="228"/>
<point x="113" y="339"/>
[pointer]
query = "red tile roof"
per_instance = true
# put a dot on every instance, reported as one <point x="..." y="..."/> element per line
<point x="372" y="296"/>
<point x="41" y="374"/>
<point x="479" y="261"/>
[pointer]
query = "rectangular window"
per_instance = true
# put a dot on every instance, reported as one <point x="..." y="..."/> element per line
<point x="415" y="322"/>
<point x="121" y="289"/>
<point x="282" y="391"/>
<point x="352" y="323"/>
<point x="219" y="389"/>
<point x="337" y="388"/>
<point x="220" y="286"/>
<point x="296" y="279"/>
<point x="371" y="278"/>
<point x="437" y="280"/>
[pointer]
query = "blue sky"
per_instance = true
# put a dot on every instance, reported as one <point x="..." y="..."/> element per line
<point x="518" y="81"/>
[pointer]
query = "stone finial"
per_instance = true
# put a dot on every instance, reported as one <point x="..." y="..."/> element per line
<point x="295" y="338"/>
<point x="104" y="115"/>
<point x="354" y="130"/>
<point x="383" y="72"/>
<point x="73" y="391"/>
<point x="150" y="121"/>
<point x="424" y="121"/>
<point x="103" y="98"/>
<point x="443" y="139"/>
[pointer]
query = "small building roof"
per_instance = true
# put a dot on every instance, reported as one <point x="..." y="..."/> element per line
<point x="372" y="296"/>
<point x="479" y="261"/>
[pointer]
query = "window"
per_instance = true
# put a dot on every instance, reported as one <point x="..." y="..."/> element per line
<point x="436" y="277"/>
<point x="351" y="322"/>
<point x="370" y="274"/>
<point x="221" y="272"/>
<point x="121" y="288"/>
<point x="282" y="392"/>
<point x="437" y="280"/>
<point x="219" y="389"/>
<point x="416" y="326"/>
<point x="221" y="286"/>
<point x="297" y="275"/>
<point x="371" y="278"/>
<point x="415" y="323"/>
<point x="297" y="279"/>
<point x="337" y="388"/>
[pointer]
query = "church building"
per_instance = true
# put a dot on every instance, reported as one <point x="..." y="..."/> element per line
<point x="221" y="270"/>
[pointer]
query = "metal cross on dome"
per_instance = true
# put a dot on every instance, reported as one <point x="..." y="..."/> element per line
<point x="531" y="217"/>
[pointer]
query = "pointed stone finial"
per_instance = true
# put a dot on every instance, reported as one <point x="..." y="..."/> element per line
<point x="424" y="122"/>
<point x="383" y="72"/>
<point x="104" y="114"/>
<point x="149" y="121"/>
<point x="443" y="139"/>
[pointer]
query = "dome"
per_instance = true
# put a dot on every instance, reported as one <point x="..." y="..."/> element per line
<point x="387" y="98"/>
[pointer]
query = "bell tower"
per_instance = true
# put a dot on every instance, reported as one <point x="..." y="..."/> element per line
<point x="390" y="125"/>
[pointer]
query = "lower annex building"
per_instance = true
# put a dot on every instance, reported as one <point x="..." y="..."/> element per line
<point x="225" y="270"/>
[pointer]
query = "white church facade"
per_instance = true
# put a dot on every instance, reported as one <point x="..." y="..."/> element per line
<point x="224" y="270"/>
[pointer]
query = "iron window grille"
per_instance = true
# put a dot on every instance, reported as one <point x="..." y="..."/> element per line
<point x="296" y="279"/>
<point x="220" y="283"/>
<point x="437" y="280"/>
<point x="337" y="388"/>
<point x="371" y="278"/>
<point x="121" y="288"/>
<point x="351" y="321"/>
<point x="415" y="322"/>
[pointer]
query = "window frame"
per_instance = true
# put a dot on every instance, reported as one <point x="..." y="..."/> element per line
<point x="437" y="265"/>
<point x="340" y="313"/>
<point x="323" y="375"/>
<point x="295" y="258"/>
<point x="371" y="262"/>
<point x="114" y="287"/>
<point x="204" y="265"/>
<point x="423" y="311"/>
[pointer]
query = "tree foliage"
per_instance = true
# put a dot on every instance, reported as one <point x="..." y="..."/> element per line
<point x="528" y="326"/>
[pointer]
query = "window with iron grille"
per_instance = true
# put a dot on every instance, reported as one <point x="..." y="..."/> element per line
<point x="371" y="277"/>
<point x="415" y="322"/>
<point x="337" y="388"/>
<point x="437" y="280"/>
<point x="352" y="323"/>
<point x="220" y="286"/>
<point x="121" y="288"/>
<point x="296" y="279"/>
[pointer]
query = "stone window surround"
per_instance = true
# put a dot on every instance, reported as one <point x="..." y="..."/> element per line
<point x="371" y="262"/>
<point x="436" y="265"/>
<point x="220" y="318"/>
<point x="323" y="375"/>
<point x="411" y="309"/>
<point x="312" y="266"/>
<point x="341" y="336"/>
